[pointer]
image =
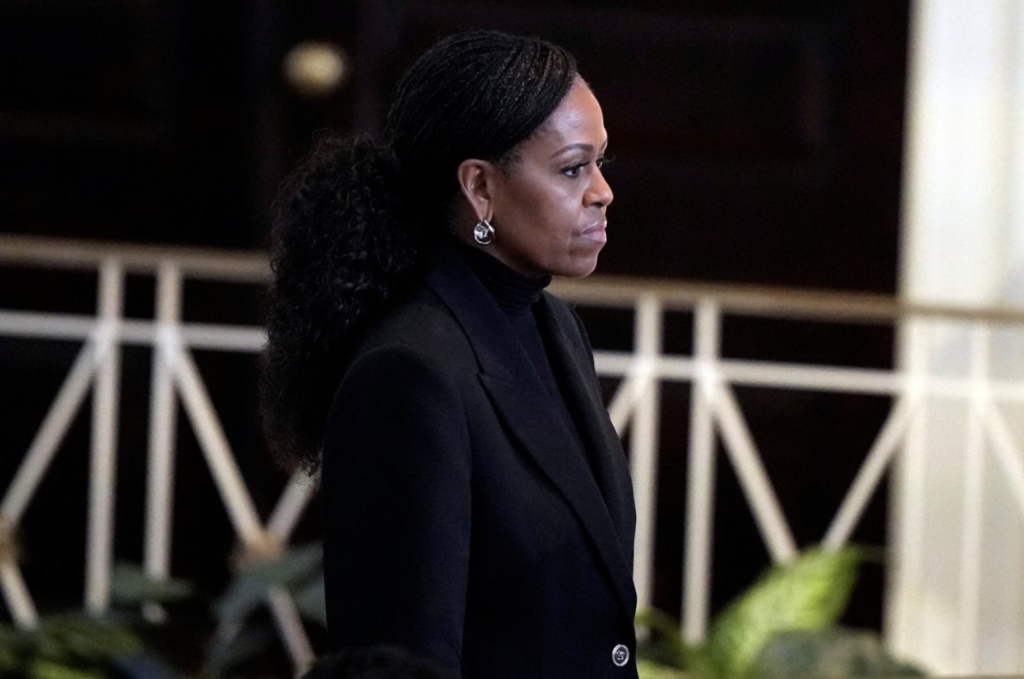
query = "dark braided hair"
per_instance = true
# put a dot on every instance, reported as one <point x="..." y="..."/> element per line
<point x="355" y="218"/>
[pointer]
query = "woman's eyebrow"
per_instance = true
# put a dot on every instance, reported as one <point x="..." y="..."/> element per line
<point x="572" y="147"/>
<point x="589" y="148"/>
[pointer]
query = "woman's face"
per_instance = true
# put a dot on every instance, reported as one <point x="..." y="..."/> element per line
<point x="548" y="205"/>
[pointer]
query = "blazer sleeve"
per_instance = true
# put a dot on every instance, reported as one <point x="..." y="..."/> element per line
<point x="396" y="494"/>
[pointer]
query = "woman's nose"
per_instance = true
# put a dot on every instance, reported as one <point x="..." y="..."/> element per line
<point x="599" y="193"/>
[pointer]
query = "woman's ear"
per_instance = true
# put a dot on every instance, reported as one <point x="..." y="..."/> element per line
<point x="476" y="179"/>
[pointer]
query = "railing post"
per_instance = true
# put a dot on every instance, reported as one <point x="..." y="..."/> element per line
<point x="19" y="601"/>
<point x="44" y="446"/>
<point x="162" y="423"/>
<point x="974" y="497"/>
<point x="907" y="497"/>
<point x="102" y="486"/>
<point x="644" y="441"/>
<point x="1007" y="454"/>
<point x="290" y="628"/>
<point x="291" y="505"/>
<point x="28" y="477"/>
<point x="870" y="475"/>
<point x="700" y="491"/>
<point x="226" y="475"/>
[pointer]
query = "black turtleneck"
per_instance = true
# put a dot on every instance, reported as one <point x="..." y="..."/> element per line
<point x="517" y="295"/>
<point x="514" y="292"/>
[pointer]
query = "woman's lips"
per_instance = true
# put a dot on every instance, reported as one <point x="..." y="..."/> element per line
<point x="597" y="232"/>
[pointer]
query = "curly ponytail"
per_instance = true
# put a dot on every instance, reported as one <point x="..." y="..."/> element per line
<point x="345" y="240"/>
<point x="341" y="247"/>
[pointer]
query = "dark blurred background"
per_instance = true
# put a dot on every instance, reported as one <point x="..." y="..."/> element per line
<point x="756" y="142"/>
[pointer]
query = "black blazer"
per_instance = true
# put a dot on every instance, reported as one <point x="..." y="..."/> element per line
<point x="460" y="518"/>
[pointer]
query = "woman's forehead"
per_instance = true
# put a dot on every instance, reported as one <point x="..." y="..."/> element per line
<point x="576" y="122"/>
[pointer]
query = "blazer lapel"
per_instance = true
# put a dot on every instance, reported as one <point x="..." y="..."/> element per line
<point x="518" y="396"/>
<point x="572" y="362"/>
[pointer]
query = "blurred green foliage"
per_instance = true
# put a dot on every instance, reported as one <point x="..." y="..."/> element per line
<point x="244" y="637"/>
<point x="785" y="625"/>
<point x="122" y="644"/>
<point x="80" y="646"/>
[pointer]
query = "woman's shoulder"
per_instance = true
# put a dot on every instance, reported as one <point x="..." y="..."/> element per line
<point x="417" y="341"/>
<point x="420" y="324"/>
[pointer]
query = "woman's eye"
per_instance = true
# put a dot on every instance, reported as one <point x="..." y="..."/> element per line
<point x="573" y="170"/>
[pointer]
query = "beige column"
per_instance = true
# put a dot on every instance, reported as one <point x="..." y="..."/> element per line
<point x="956" y="599"/>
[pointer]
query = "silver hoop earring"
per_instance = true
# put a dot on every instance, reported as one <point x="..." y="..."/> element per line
<point x="483" y="232"/>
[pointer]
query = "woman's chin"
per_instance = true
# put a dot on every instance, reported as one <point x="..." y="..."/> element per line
<point x="578" y="268"/>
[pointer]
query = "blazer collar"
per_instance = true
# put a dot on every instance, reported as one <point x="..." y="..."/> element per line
<point x="518" y="395"/>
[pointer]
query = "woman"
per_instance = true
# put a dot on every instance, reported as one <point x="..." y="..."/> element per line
<point x="477" y="502"/>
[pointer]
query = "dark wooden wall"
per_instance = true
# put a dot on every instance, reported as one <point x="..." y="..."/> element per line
<point x="756" y="141"/>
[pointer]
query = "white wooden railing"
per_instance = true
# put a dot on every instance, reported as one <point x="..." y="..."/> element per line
<point x="634" y="409"/>
<point x="174" y="373"/>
